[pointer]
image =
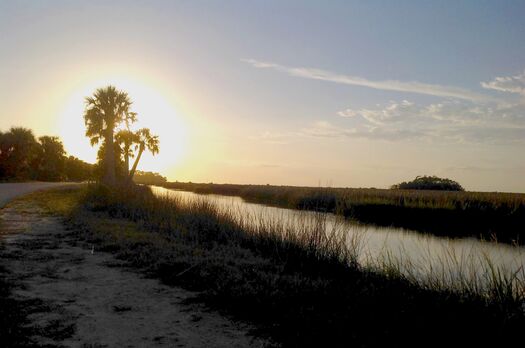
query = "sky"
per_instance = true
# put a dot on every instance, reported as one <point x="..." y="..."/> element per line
<point x="331" y="93"/>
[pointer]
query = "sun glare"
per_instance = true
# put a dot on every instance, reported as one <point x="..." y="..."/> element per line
<point x="155" y="111"/>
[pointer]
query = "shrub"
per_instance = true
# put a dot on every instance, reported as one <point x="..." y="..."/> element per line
<point x="430" y="183"/>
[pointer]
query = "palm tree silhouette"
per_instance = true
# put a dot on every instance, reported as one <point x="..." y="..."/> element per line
<point x="128" y="141"/>
<point x="17" y="152"/>
<point x="145" y="140"/>
<point x="104" y="111"/>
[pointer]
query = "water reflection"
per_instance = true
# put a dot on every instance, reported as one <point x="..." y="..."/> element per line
<point x="466" y="263"/>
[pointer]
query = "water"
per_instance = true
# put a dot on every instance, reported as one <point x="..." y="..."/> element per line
<point x="465" y="263"/>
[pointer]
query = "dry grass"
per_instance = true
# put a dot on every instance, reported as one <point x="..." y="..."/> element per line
<point x="487" y="215"/>
<point x="301" y="285"/>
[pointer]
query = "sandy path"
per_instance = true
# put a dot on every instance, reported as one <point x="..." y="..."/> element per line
<point x="8" y="191"/>
<point x="91" y="300"/>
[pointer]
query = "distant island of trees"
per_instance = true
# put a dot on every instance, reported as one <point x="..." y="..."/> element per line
<point x="429" y="183"/>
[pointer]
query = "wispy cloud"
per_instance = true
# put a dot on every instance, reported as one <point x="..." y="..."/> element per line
<point x="456" y="121"/>
<point x="388" y="85"/>
<point x="510" y="84"/>
<point x="463" y="117"/>
<point x="449" y="121"/>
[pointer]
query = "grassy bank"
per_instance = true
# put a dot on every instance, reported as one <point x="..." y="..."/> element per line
<point x="484" y="215"/>
<point x="302" y="288"/>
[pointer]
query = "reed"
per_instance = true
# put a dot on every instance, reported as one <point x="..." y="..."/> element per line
<point x="311" y="237"/>
<point x="301" y="282"/>
<point x="485" y="215"/>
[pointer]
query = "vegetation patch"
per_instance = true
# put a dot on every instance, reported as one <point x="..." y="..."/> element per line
<point x="300" y="287"/>
<point x="24" y="157"/>
<point x="485" y="215"/>
<point x="430" y="183"/>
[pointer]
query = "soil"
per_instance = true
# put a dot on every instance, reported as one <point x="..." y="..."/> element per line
<point x="87" y="298"/>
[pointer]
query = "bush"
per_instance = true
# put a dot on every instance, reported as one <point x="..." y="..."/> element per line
<point x="430" y="183"/>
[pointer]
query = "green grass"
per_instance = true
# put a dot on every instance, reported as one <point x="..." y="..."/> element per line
<point x="301" y="288"/>
<point x="483" y="215"/>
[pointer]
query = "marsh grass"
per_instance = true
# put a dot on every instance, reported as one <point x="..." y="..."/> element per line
<point x="301" y="282"/>
<point x="487" y="215"/>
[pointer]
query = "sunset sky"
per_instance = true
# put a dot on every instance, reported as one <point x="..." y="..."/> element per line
<point x="338" y="93"/>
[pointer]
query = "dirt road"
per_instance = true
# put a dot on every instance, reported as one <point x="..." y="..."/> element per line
<point x="89" y="299"/>
<point x="9" y="191"/>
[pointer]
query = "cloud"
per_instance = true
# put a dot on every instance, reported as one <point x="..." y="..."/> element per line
<point x="446" y="121"/>
<point x="347" y="113"/>
<point x="388" y="85"/>
<point x="463" y="117"/>
<point x="509" y="84"/>
<point x="454" y="121"/>
<point x="327" y="130"/>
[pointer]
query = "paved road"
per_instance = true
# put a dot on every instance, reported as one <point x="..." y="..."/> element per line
<point x="12" y="190"/>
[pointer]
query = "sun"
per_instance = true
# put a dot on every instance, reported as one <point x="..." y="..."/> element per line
<point x="155" y="110"/>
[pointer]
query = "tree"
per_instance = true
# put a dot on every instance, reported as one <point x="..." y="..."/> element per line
<point x="145" y="140"/>
<point x="18" y="150"/>
<point x="78" y="170"/>
<point x="104" y="111"/>
<point x="149" y="178"/>
<point x="4" y="150"/>
<point x="430" y="183"/>
<point x="51" y="158"/>
<point x="126" y="140"/>
<point x="22" y="157"/>
<point x="120" y="172"/>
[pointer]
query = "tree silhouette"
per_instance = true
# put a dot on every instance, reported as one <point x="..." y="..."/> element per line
<point x="51" y="158"/>
<point x="4" y="151"/>
<point x="145" y="140"/>
<point x="127" y="140"/>
<point x="78" y="170"/>
<point x="18" y="150"/>
<point x="22" y="157"/>
<point x="429" y="183"/>
<point x="119" y="163"/>
<point x="104" y="111"/>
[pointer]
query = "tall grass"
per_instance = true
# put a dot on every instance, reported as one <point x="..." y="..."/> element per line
<point x="311" y="237"/>
<point x="485" y="215"/>
<point x="202" y="222"/>
<point x="302" y="281"/>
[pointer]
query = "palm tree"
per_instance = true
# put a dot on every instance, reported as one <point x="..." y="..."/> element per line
<point x="126" y="139"/>
<point x="145" y="140"/>
<point x="18" y="150"/>
<point x="51" y="158"/>
<point x="105" y="110"/>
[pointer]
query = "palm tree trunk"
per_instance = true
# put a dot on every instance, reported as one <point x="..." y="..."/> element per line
<point x="109" y="173"/>
<point x="136" y="162"/>
<point x="126" y="159"/>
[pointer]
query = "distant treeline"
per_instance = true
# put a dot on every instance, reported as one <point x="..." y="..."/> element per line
<point x="149" y="178"/>
<point x="25" y="157"/>
<point x="447" y="213"/>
